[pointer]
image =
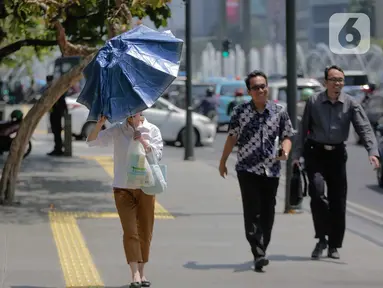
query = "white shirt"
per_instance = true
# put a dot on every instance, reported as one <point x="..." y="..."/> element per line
<point x="121" y="135"/>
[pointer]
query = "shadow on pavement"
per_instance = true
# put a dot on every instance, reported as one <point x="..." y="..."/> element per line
<point x="62" y="184"/>
<point x="179" y="214"/>
<point x="70" y="184"/>
<point x="247" y="266"/>
<point x="125" y="286"/>
<point x="375" y="188"/>
<point x="281" y="258"/>
<point x="240" y="267"/>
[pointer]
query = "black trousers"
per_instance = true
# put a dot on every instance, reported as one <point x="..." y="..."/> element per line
<point x="328" y="211"/>
<point x="258" y="200"/>
<point x="56" y="126"/>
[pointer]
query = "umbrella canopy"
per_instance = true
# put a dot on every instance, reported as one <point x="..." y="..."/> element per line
<point x="130" y="73"/>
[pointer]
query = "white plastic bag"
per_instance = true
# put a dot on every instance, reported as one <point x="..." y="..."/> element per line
<point x="159" y="172"/>
<point x="139" y="173"/>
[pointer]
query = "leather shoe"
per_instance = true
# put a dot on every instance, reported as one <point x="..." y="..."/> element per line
<point x="260" y="262"/>
<point x="135" y="285"/>
<point x="145" y="284"/>
<point x="333" y="253"/>
<point x="318" y="250"/>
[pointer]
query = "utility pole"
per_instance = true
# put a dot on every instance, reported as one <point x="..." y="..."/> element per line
<point x="223" y="31"/>
<point x="291" y="55"/>
<point x="246" y="37"/>
<point x="188" y="140"/>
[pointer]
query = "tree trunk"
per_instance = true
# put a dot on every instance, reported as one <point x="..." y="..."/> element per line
<point x="28" y="125"/>
<point x="45" y="103"/>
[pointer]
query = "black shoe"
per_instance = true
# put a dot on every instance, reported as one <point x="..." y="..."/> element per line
<point x="260" y="262"/>
<point x="145" y="284"/>
<point x="55" y="153"/>
<point x="333" y="253"/>
<point x="135" y="285"/>
<point x="318" y="250"/>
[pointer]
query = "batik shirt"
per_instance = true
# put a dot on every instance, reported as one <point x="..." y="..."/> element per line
<point x="256" y="133"/>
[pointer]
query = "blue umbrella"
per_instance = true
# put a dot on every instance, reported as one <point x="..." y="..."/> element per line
<point x="130" y="73"/>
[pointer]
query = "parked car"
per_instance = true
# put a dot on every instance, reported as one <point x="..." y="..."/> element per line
<point x="356" y="83"/>
<point x="171" y="120"/>
<point x="374" y="111"/>
<point x="278" y="91"/>
<point x="176" y="92"/>
<point x="225" y="90"/>
<point x="81" y="128"/>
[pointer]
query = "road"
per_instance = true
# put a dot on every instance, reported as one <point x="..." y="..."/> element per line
<point x="362" y="184"/>
<point x="199" y="237"/>
<point x="364" y="194"/>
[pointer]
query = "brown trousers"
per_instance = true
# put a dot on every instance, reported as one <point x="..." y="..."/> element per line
<point x="136" y="211"/>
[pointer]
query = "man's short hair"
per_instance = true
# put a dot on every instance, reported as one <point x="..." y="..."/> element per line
<point x="253" y="74"/>
<point x="328" y="68"/>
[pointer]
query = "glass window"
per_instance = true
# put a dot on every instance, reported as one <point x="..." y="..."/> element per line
<point x="320" y="35"/>
<point x="66" y="67"/>
<point x="199" y="90"/>
<point x="159" y="106"/>
<point x="229" y="89"/>
<point x="356" y="80"/>
<point x="282" y="93"/>
<point x="322" y="14"/>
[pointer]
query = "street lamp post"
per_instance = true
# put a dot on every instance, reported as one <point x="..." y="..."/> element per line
<point x="188" y="140"/>
<point x="291" y="55"/>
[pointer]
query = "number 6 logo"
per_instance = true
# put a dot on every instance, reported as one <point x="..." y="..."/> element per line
<point x="349" y="33"/>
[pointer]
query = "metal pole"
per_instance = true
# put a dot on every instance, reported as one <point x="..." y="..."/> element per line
<point x="189" y="141"/>
<point x="223" y="33"/>
<point x="291" y="54"/>
<point x="67" y="134"/>
<point x="246" y="38"/>
<point x="2" y="110"/>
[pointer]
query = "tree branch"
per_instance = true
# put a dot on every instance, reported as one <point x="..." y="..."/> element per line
<point x="67" y="48"/>
<point x="11" y="48"/>
<point x="121" y="12"/>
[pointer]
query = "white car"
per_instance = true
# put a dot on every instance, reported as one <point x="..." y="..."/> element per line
<point x="171" y="120"/>
<point x="278" y="91"/>
<point x="81" y="128"/>
<point x="167" y="117"/>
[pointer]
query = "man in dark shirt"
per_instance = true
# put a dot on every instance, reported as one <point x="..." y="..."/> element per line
<point x="256" y="127"/>
<point x="209" y="105"/>
<point x="321" y="141"/>
<point x="57" y="113"/>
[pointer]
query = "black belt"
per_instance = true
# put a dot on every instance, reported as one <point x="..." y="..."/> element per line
<point x="327" y="147"/>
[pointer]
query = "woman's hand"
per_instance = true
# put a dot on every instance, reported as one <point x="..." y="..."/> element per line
<point x="101" y="121"/>
<point x="137" y="135"/>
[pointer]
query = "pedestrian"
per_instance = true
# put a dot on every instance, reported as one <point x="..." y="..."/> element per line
<point x="55" y="118"/>
<point x="209" y="105"/>
<point x="135" y="208"/>
<point x="239" y="98"/>
<point x="256" y="127"/>
<point x="321" y="141"/>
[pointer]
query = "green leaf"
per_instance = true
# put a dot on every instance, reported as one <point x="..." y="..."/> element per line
<point x="84" y="21"/>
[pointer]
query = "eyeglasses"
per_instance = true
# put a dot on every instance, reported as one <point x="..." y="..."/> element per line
<point x="340" y="80"/>
<point x="257" y="87"/>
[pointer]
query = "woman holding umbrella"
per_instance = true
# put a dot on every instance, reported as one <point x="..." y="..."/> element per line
<point x="128" y="74"/>
<point x="135" y="208"/>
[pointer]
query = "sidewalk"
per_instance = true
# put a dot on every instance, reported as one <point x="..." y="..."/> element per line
<point x="202" y="246"/>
